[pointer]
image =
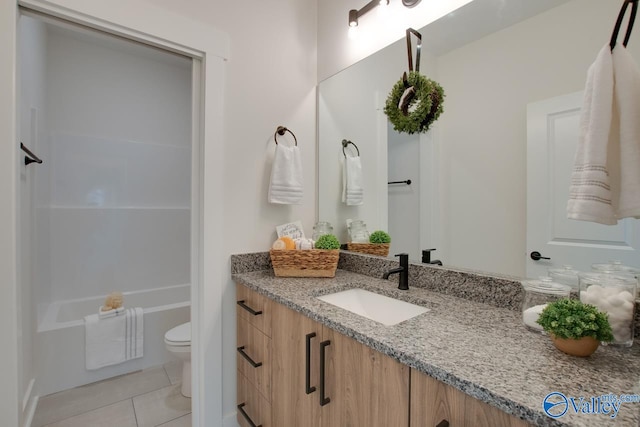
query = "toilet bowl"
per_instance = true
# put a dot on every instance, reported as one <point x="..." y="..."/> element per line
<point x="178" y="342"/>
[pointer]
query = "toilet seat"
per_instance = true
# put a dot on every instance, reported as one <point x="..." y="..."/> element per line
<point x="179" y="336"/>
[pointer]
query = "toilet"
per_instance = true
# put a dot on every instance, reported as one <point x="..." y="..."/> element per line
<point x="178" y="342"/>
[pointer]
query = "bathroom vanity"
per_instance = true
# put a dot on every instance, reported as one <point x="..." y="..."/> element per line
<point x="303" y="361"/>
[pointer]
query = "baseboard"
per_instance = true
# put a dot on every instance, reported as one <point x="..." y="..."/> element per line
<point x="230" y="420"/>
<point x="29" y="404"/>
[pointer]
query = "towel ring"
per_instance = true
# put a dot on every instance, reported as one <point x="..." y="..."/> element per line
<point x="632" y="18"/>
<point x="280" y="131"/>
<point x="344" y="145"/>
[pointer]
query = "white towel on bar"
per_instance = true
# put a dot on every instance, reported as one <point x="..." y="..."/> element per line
<point x="286" y="186"/>
<point x="590" y="195"/>
<point x="352" y="187"/>
<point x="113" y="340"/>
<point x="605" y="184"/>
<point x="627" y="106"/>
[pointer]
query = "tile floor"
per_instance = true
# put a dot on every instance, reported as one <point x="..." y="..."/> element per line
<point x="147" y="398"/>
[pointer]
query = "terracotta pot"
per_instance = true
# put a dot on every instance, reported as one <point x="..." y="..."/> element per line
<point x="582" y="347"/>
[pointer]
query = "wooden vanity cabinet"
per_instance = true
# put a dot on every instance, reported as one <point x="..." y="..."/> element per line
<point x="297" y="372"/>
<point x="433" y="402"/>
<point x="362" y="387"/>
<point x="253" y="358"/>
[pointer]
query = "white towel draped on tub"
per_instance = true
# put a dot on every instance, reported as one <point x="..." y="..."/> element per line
<point x="352" y="188"/>
<point x="286" y="186"/>
<point x="605" y="183"/>
<point x="113" y="340"/>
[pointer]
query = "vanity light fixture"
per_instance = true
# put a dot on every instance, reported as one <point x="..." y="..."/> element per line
<point x="355" y="14"/>
<point x="410" y="3"/>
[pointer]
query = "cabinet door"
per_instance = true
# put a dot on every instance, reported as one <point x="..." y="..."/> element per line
<point x="364" y="387"/>
<point x="433" y="402"/>
<point x="295" y="369"/>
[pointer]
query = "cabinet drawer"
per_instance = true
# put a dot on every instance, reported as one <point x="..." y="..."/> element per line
<point x="251" y="405"/>
<point x="254" y="357"/>
<point x="255" y="308"/>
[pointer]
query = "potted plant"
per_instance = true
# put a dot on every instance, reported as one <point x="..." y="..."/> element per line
<point x="378" y="244"/>
<point x="576" y="328"/>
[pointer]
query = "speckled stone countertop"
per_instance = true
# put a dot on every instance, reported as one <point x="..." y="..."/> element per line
<point x="480" y="349"/>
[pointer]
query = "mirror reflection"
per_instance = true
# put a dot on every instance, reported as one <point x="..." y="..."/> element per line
<point x="511" y="71"/>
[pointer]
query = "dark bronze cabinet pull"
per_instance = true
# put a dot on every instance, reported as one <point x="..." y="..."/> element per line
<point x="249" y="309"/>
<point x="323" y="345"/>
<point x="249" y="359"/>
<point x="443" y="423"/>
<point x="307" y="369"/>
<point x="246" y="416"/>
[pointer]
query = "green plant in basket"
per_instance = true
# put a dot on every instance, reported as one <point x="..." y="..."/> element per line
<point x="572" y="319"/>
<point x="379" y="236"/>
<point x="327" y="241"/>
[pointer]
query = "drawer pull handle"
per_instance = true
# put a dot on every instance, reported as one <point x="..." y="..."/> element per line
<point x="307" y="371"/>
<point x="443" y="423"/>
<point x="249" y="359"/>
<point x="249" y="309"/>
<point x="246" y="416"/>
<point x="323" y="345"/>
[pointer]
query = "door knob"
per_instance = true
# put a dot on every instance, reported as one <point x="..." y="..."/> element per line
<point x="535" y="255"/>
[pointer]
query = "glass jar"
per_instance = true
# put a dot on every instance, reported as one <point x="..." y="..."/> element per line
<point x="537" y="294"/>
<point x="614" y="293"/>
<point x="616" y="266"/>
<point x="321" y="227"/>
<point x="358" y="232"/>
<point x="565" y="275"/>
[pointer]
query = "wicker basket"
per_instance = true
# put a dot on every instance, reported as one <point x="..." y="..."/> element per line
<point x="380" y="249"/>
<point x="305" y="263"/>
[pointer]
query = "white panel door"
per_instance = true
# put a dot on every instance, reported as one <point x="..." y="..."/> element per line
<point x="552" y="137"/>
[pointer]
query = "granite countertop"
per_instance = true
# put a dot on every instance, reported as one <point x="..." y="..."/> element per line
<point x="480" y="349"/>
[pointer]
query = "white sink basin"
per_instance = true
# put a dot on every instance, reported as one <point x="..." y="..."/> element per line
<point x="388" y="311"/>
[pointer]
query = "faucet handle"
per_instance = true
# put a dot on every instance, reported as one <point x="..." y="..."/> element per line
<point x="402" y="254"/>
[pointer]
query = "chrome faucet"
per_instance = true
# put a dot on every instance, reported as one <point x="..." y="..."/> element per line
<point x="403" y="278"/>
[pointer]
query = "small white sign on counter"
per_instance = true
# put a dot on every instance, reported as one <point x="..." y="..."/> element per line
<point x="291" y="229"/>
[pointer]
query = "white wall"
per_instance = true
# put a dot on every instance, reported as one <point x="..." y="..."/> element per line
<point x="114" y="191"/>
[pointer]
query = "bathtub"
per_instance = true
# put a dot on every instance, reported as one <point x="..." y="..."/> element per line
<point x="60" y="336"/>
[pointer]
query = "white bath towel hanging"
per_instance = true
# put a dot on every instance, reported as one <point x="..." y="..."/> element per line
<point x="605" y="184"/>
<point x="627" y="107"/>
<point x="590" y="195"/>
<point x="352" y="181"/>
<point x="113" y="340"/>
<point x="286" y="185"/>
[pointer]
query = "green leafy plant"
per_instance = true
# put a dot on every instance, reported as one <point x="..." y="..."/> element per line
<point x="379" y="236"/>
<point x="426" y="105"/>
<point x="327" y="241"/>
<point x="572" y="319"/>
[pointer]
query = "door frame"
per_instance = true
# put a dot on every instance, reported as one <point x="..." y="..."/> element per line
<point x="208" y="48"/>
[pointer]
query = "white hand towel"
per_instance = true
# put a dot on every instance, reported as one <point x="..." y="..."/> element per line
<point x="352" y="188"/>
<point x="590" y="195"/>
<point x="134" y="335"/>
<point x="286" y="184"/>
<point x="627" y="106"/>
<point x="113" y="340"/>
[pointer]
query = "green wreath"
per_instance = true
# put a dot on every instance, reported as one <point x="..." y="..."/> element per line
<point x="423" y="108"/>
